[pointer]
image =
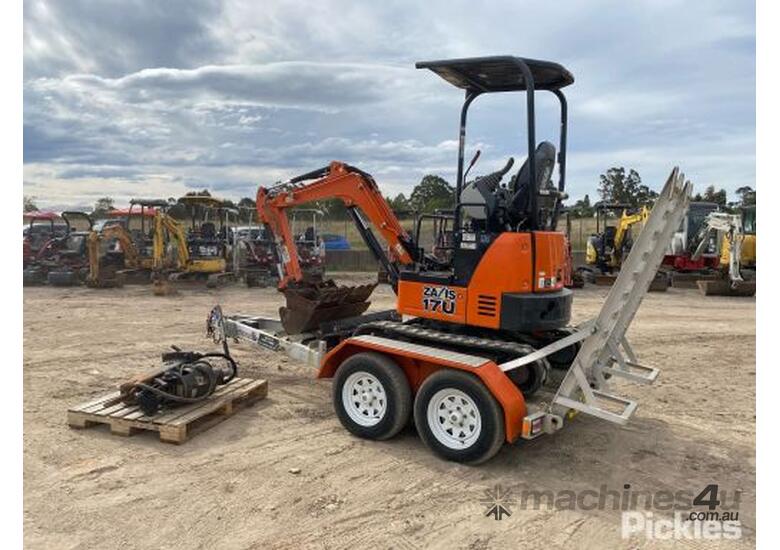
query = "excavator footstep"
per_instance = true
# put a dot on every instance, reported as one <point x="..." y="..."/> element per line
<point x="310" y="306"/>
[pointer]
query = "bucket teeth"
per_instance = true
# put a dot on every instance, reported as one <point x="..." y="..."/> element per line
<point x="311" y="305"/>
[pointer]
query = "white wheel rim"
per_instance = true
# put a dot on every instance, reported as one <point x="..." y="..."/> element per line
<point x="454" y="419"/>
<point x="364" y="399"/>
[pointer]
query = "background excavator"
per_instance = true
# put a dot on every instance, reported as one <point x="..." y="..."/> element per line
<point x="728" y="230"/>
<point x="480" y="323"/>
<point x="204" y="250"/>
<point x="610" y="245"/>
<point x="120" y="252"/>
<point x="606" y="248"/>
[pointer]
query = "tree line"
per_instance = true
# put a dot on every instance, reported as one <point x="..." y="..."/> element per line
<point x="433" y="193"/>
<point x="616" y="186"/>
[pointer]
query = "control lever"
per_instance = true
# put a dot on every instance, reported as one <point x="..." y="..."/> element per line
<point x="472" y="163"/>
<point x="508" y="166"/>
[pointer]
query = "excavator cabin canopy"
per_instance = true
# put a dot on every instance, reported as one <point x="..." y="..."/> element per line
<point x="484" y="75"/>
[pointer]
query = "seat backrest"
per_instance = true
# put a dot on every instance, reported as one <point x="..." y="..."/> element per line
<point x="208" y="230"/>
<point x="544" y="160"/>
<point x="609" y="235"/>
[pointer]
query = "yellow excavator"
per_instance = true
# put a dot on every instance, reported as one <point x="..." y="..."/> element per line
<point x="607" y="247"/>
<point x="747" y="257"/>
<point x="140" y="252"/>
<point x="204" y="251"/>
<point x="105" y="270"/>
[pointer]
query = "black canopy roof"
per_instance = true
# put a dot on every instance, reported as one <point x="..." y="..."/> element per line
<point x="499" y="73"/>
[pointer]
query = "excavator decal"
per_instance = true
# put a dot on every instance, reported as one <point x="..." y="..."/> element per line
<point x="439" y="299"/>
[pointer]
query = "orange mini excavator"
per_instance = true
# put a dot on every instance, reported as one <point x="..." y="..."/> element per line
<point x="478" y="350"/>
<point x="504" y="278"/>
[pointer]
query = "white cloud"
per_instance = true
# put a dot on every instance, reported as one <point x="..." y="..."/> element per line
<point x="153" y="98"/>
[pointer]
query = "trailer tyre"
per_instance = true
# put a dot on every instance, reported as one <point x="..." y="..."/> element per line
<point x="371" y="396"/>
<point x="458" y="418"/>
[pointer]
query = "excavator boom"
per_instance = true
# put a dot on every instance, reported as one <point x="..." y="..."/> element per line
<point x="310" y="303"/>
<point x="357" y="190"/>
<point x="131" y="256"/>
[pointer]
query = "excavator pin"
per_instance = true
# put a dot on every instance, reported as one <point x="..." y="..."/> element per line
<point x="311" y="304"/>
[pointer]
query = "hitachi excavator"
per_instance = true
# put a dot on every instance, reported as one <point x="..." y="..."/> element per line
<point x="476" y="333"/>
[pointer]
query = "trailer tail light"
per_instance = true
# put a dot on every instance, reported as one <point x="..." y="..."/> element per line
<point x="533" y="425"/>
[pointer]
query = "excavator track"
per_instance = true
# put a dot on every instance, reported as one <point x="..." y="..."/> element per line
<point x="529" y="381"/>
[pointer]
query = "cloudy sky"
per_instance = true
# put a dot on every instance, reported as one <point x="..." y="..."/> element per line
<point x="154" y="98"/>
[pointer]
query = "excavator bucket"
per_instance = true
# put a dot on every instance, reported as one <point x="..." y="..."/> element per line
<point x="724" y="287"/>
<point x="311" y="305"/>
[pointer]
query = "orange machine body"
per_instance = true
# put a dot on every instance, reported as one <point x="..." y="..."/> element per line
<point x="517" y="263"/>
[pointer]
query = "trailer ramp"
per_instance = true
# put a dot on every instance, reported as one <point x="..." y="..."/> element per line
<point x="605" y="351"/>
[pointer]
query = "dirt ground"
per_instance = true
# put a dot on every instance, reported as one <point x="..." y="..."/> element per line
<point x="231" y="486"/>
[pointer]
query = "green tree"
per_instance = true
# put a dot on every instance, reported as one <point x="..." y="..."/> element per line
<point x="615" y="186"/>
<point x="102" y="206"/>
<point x="582" y="208"/>
<point x="28" y="204"/>
<point x="400" y="205"/>
<point x="712" y="195"/>
<point x="747" y="196"/>
<point x="247" y="210"/>
<point x="333" y="209"/>
<point x="432" y="193"/>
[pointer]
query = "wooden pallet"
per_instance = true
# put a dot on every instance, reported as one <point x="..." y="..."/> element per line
<point x="175" y="425"/>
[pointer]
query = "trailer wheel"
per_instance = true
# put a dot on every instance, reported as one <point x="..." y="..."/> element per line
<point x="371" y="396"/>
<point x="530" y="378"/>
<point x="458" y="418"/>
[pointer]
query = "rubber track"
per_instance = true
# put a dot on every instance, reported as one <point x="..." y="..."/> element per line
<point x="502" y="346"/>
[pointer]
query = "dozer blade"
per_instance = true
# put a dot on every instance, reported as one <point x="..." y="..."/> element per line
<point x="309" y="306"/>
<point x="162" y="287"/>
<point x="724" y="287"/>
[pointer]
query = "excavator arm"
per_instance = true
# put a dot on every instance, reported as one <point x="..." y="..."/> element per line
<point x="626" y="222"/>
<point x="164" y="224"/>
<point x="728" y="226"/>
<point x="93" y="249"/>
<point x="358" y="191"/>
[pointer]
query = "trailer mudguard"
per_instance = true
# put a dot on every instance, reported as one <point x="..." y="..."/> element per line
<point x="419" y="361"/>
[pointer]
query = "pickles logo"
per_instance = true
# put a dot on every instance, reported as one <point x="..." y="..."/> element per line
<point x="439" y="299"/>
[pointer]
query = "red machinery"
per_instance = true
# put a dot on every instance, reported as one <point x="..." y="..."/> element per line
<point x="62" y="260"/>
<point x="42" y="227"/>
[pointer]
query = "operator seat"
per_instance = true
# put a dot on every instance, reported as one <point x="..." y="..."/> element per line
<point x="208" y="230"/>
<point x="544" y="158"/>
<point x="609" y="236"/>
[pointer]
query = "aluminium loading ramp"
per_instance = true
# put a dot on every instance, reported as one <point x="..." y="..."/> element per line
<point x="605" y="351"/>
